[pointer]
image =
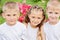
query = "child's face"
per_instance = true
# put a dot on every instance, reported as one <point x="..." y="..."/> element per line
<point x="53" y="14"/>
<point x="36" y="17"/>
<point x="11" y="17"/>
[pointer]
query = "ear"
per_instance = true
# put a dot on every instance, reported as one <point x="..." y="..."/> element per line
<point x="3" y="15"/>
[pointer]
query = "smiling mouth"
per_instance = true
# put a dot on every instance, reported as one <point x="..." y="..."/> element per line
<point x="35" y="23"/>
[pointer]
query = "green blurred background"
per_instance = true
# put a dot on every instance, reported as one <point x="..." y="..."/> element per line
<point x="41" y="3"/>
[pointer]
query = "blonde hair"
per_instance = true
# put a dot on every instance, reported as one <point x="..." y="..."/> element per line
<point x="53" y="5"/>
<point x="10" y="6"/>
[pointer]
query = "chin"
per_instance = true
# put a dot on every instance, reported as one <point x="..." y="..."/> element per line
<point x="12" y="23"/>
<point x="35" y="24"/>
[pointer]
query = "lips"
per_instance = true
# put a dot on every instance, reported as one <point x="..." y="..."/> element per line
<point x="12" y="21"/>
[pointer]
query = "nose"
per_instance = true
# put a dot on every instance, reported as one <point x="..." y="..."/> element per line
<point x="11" y="17"/>
<point x="35" y="19"/>
<point x="53" y="14"/>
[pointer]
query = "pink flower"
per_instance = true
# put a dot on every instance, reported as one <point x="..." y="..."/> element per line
<point x="23" y="8"/>
<point x="21" y="18"/>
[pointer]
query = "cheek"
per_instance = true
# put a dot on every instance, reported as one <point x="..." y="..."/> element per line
<point x="49" y="15"/>
<point x="7" y="17"/>
<point x="39" y="21"/>
<point x="16" y="17"/>
<point x="31" y="20"/>
<point x="57" y="17"/>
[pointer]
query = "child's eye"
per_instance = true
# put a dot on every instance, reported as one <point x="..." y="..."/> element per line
<point x="14" y="14"/>
<point x="50" y="12"/>
<point x="33" y="17"/>
<point x="39" y="18"/>
<point x="56" y="13"/>
<point x="8" y="15"/>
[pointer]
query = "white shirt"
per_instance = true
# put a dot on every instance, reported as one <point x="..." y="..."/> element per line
<point x="52" y="31"/>
<point x="31" y="33"/>
<point x="14" y="32"/>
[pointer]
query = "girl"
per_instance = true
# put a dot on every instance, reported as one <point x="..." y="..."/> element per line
<point x="34" y="19"/>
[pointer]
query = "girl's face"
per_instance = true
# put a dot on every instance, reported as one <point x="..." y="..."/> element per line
<point x="53" y="14"/>
<point x="35" y="17"/>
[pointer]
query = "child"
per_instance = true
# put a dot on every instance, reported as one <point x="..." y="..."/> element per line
<point x="52" y="27"/>
<point x="11" y="29"/>
<point x="34" y="19"/>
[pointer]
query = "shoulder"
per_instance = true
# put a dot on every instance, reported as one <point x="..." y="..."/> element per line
<point x="46" y="24"/>
<point x="3" y="28"/>
<point x="2" y="25"/>
<point x="58" y="24"/>
<point x="21" y="25"/>
<point x="59" y="21"/>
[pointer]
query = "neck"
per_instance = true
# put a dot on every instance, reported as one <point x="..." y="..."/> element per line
<point x="33" y="26"/>
<point x="10" y="24"/>
<point x="53" y="23"/>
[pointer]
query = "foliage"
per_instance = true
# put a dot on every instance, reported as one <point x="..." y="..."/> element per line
<point x="35" y="0"/>
<point x="1" y="20"/>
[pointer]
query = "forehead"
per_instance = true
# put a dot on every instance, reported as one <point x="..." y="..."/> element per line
<point x="11" y="11"/>
<point x="36" y="13"/>
<point x="53" y="9"/>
